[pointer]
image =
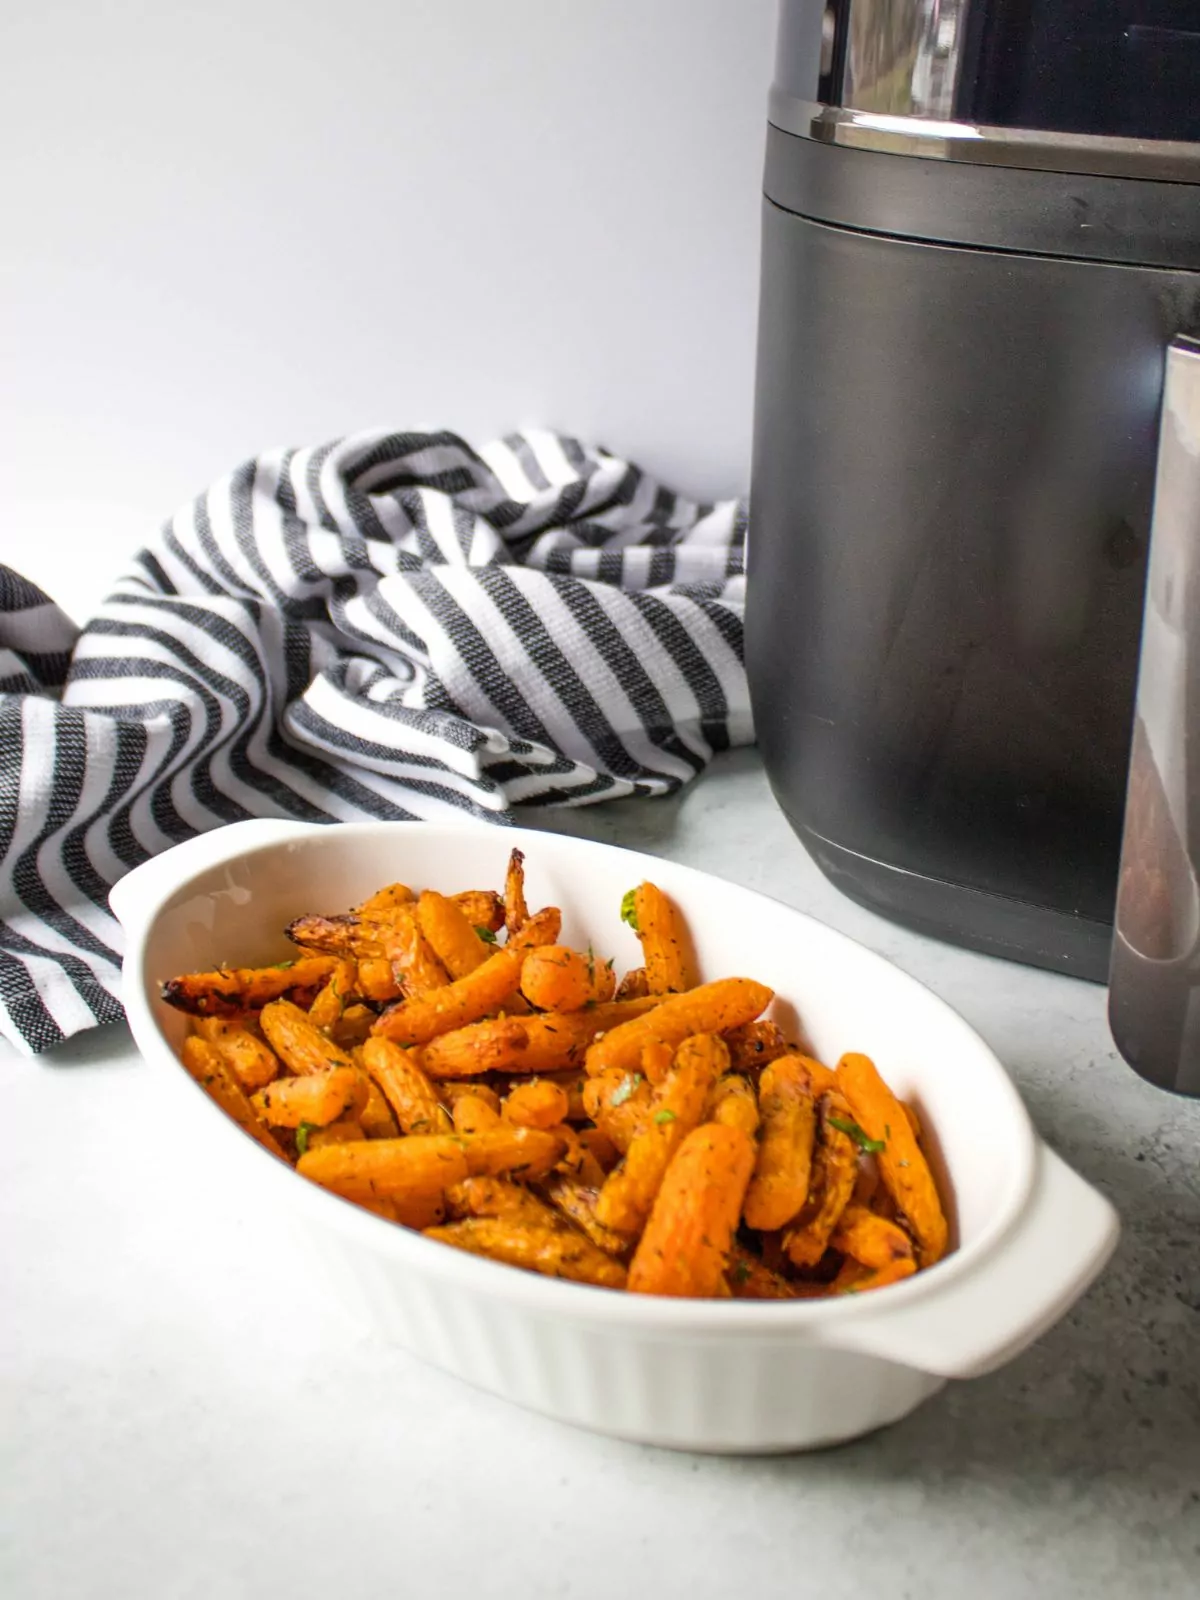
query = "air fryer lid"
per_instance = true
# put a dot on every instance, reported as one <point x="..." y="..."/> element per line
<point x="1126" y="69"/>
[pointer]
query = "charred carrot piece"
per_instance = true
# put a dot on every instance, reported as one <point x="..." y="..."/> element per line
<point x="229" y="991"/>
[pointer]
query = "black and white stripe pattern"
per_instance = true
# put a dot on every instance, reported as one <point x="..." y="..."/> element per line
<point x="393" y="625"/>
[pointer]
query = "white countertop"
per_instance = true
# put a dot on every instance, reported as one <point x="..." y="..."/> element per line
<point x="183" y="1415"/>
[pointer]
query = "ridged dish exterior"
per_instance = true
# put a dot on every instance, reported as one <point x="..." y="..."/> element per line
<point x="715" y="1395"/>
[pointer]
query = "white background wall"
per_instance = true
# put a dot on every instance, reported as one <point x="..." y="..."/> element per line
<point x="250" y="222"/>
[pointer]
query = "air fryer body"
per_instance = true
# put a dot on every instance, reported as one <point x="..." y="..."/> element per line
<point x="959" y="381"/>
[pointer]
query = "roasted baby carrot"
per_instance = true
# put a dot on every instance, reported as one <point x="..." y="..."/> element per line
<point x="384" y="901"/>
<point x="542" y="928"/>
<point x="732" y="1101"/>
<point x="516" y="912"/>
<point x="454" y="1005"/>
<point x="345" y="1131"/>
<point x="525" y="1154"/>
<point x="299" y="1045"/>
<point x="413" y="1099"/>
<point x="660" y="928"/>
<point x="450" y="936"/>
<point x="902" y="1164"/>
<point x="252" y="1061"/>
<point x="554" y="1041"/>
<point x="232" y="990"/>
<point x="783" y="1168"/>
<point x="576" y="1201"/>
<point x="870" y="1239"/>
<point x="834" y="1175"/>
<point x="750" y="1278"/>
<point x="755" y="1045"/>
<point x="376" y="1117"/>
<point x="557" y="978"/>
<point x="618" y="1103"/>
<point x="205" y="1064"/>
<point x="537" y="1104"/>
<point x="497" y="1197"/>
<point x="686" y="1242"/>
<point x="413" y="961"/>
<point x="326" y="1010"/>
<point x="472" y="1114"/>
<point x="412" y="1172"/>
<point x="452" y="1093"/>
<point x="634" y="985"/>
<point x="376" y="981"/>
<point x="353" y="1026"/>
<point x="676" y="1108"/>
<point x="712" y="1008"/>
<point x="318" y="1098"/>
<point x="346" y="935"/>
<point x="483" y="908"/>
<point x="554" y="1252"/>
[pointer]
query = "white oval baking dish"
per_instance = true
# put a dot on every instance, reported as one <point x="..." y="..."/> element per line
<point x="726" y="1376"/>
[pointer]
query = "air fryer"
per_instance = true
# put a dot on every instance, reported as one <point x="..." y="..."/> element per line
<point x="981" y="243"/>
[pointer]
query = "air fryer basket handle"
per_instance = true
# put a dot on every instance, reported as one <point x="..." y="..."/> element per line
<point x="1154" y="980"/>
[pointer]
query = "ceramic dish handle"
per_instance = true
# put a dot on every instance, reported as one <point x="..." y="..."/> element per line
<point x="135" y="895"/>
<point x="1011" y="1297"/>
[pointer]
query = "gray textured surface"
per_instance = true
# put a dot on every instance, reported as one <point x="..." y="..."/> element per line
<point x="182" y="1417"/>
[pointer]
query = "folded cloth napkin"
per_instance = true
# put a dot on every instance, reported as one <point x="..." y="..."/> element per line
<point x="392" y="625"/>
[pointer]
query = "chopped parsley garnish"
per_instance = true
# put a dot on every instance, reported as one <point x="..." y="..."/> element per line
<point x="664" y="1116"/>
<point x="625" y="1088"/>
<point x="302" y="1133"/>
<point x="629" y="910"/>
<point x="741" y="1271"/>
<point x="486" y="935"/>
<point x="280" y="966"/>
<point x="870" y="1146"/>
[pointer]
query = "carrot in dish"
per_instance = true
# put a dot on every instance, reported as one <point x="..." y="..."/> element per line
<point x="783" y="1168"/>
<point x="902" y="1164"/>
<point x="685" y="1246"/>
<point x="299" y="1045"/>
<point x="657" y="923"/>
<point x="553" y="1041"/>
<point x="206" y="1065"/>
<point x="834" y="1176"/>
<point x="453" y="1005"/>
<point x="251" y="1060"/>
<point x="537" y="1104"/>
<point x="712" y="1008"/>
<point x="675" y="1109"/>
<point x="318" y="1098"/>
<point x="412" y="1097"/>
<point x="230" y="991"/>
<point x="453" y="940"/>
<point x="553" y="1252"/>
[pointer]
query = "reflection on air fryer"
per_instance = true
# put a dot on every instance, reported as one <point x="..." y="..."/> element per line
<point x="1158" y="908"/>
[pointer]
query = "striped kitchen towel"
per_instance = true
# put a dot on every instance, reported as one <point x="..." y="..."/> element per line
<point x="393" y="625"/>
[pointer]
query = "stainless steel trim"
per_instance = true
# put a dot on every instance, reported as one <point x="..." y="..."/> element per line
<point x="903" y="56"/>
<point x="1163" y="160"/>
<point x="1154" y="994"/>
